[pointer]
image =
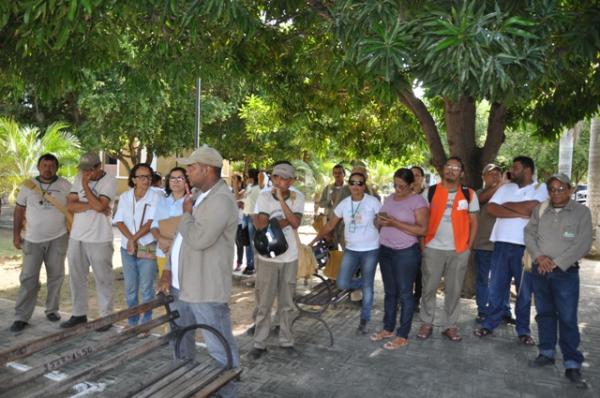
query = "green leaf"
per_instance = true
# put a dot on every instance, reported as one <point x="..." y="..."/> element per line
<point x="72" y="10"/>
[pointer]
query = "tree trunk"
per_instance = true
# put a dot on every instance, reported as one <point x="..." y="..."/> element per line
<point x="460" y="132"/>
<point x="565" y="152"/>
<point x="593" y="195"/>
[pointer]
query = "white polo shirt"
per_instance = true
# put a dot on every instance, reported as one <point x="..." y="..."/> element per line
<point x="130" y="212"/>
<point x="511" y="230"/>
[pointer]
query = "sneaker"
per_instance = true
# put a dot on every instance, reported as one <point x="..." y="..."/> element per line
<point x="73" y="321"/>
<point x="291" y="352"/>
<point x="356" y="295"/>
<point x="104" y="328"/>
<point x="18" y="326"/>
<point x="238" y="268"/>
<point x="250" y="331"/>
<point x="362" y="327"/>
<point x="574" y="376"/>
<point x="248" y="271"/>
<point x="541" y="361"/>
<point x="256" y="353"/>
<point x="509" y="320"/>
<point x="53" y="317"/>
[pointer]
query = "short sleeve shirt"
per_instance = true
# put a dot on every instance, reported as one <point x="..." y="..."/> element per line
<point x="444" y="236"/>
<point x="512" y="230"/>
<point x="90" y="225"/>
<point x="268" y="205"/>
<point x="402" y="210"/>
<point x="167" y="207"/>
<point x="359" y="230"/>
<point x="44" y="222"/>
<point x="135" y="213"/>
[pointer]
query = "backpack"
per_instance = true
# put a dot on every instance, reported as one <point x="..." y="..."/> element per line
<point x="464" y="189"/>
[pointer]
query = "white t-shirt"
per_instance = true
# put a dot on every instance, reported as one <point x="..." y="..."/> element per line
<point x="359" y="230"/>
<point x="92" y="226"/>
<point x="177" y="247"/>
<point x="44" y="222"/>
<point x="167" y="207"/>
<point x="130" y="212"/>
<point x="444" y="236"/>
<point x="252" y="192"/>
<point x="511" y="230"/>
<point x="269" y="206"/>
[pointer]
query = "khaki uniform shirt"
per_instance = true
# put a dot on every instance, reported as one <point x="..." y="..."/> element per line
<point x="564" y="235"/>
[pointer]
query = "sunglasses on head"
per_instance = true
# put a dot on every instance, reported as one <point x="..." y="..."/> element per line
<point x="356" y="182"/>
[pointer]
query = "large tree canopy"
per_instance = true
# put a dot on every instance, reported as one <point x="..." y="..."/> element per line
<point x="323" y="74"/>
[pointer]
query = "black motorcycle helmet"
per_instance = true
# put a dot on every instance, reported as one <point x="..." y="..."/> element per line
<point x="270" y="241"/>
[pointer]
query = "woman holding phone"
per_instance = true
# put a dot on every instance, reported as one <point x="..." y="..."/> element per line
<point x="403" y="218"/>
<point x="362" y="242"/>
<point x="133" y="218"/>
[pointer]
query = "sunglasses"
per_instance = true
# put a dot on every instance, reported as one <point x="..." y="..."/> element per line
<point x="356" y="182"/>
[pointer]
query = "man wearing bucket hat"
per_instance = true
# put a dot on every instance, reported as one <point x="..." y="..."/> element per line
<point x="91" y="240"/>
<point x="276" y="273"/>
<point x="198" y="271"/>
<point x="558" y="235"/>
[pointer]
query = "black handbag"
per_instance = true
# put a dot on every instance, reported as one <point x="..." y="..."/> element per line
<point x="270" y="241"/>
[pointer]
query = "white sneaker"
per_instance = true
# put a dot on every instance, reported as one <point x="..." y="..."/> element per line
<point x="356" y="295"/>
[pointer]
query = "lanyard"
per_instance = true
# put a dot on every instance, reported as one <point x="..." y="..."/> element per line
<point x="354" y="211"/>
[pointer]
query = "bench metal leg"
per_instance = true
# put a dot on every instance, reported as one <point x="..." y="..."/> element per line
<point x="317" y="318"/>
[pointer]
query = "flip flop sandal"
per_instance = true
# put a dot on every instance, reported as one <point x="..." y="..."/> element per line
<point x="526" y="339"/>
<point x="396" y="343"/>
<point x="424" y="332"/>
<point x="482" y="332"/>
<point x="452" y="334"/>
<point x="381" y="335"/>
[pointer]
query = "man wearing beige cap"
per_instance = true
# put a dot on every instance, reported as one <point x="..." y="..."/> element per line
<point x="91" y="240"/>
<point x="276" y="273"/>
<point x="198" y="271"/>
<point x="558" y="235"/>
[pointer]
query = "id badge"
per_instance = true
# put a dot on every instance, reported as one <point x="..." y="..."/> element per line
<point x="352" y="227"/>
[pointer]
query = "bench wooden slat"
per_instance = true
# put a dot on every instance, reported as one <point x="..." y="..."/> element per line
<point x="146" y="389"/>
<point x="216" y="384"/>
<point x="192" y="385"/>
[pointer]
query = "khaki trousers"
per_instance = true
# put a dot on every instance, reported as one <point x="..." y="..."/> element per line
<point x="99" y="255"/>
<point x="452" y="267"/>
<point x="52" y="253"/>
<point x="274" y="280"/>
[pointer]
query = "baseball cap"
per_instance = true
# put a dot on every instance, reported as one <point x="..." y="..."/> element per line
<point x="490" y="167"/>
<point x="205" y="155"/>
<point x="560" y="177"/>
<point x="89" y="161"/>
<point x="284" y="171"/>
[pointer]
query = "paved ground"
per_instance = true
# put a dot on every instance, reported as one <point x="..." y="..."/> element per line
<point x="356" y="367"/>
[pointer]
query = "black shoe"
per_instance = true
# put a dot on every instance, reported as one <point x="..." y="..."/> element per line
<point x="362" y="327"/>
<point x="509" y="320"/>
<point x="275" y="330"/>
<point x="18" y="326"/>
<point x="104" y="328"/>
<point x="574" y="376"/>
<point x="250" y="331"/>
<point x="541" y="361"/>
<point x="256" y="353"/>
<point x="417" y="309"/>
<point x="53" y="317"/>
<point x="248" y="271"/>
<point x="73" y="321"/>
<point x="291" y="352"/>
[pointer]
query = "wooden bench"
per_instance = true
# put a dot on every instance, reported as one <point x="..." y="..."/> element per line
<point x="83" y="356"/>
<point x="317" y="300"/>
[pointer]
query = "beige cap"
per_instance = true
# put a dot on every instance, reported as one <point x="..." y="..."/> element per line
<point x="562" y="178"/>
<point x="89" y="161"/>
<point x="284" y="170"/>
<point x="205" y="155"/>
<point x="491" y="167"/>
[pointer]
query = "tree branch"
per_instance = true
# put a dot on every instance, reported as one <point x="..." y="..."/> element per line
<point x="495" y="133"/>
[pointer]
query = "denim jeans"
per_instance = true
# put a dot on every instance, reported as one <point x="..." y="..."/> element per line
<point x="483" y="259"/>
<point x="367" y="263"/>
<point x="216" y="315"/>
<point x="139" y="275"/>
<point x="507" y="263"/>
<point x="398" y="272"/>
<point x="556" y="298"/>
<point x="249" y="249"/>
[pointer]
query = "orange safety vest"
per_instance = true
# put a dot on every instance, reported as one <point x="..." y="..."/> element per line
<point x="461" y="223"/>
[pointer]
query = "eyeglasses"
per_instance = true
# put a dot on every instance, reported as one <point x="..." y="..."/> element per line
<point x="143" y="177"/>
<point x="356" y="182"/>
<point x="178" y="179"/>
<point x="402" y="186"/>
<point x="557" y="190"/>
<point x="452" y="168"/>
